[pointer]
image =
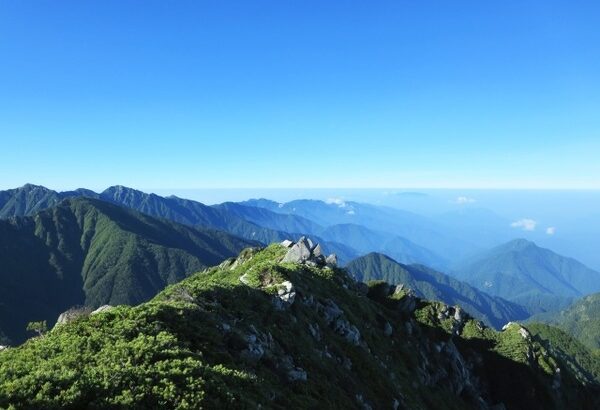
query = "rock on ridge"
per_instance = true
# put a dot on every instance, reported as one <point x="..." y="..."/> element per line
<point x="306" y="252"/>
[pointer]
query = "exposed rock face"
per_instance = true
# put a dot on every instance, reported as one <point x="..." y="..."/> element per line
<point x="331" y="260"/>
<point x="103" y="308"/>
<point x="299" y="252"/>
<point x="286" y="294"/>
<point x="305" y="252"/>
<point x="77" y="312"/>
<point x="72" y="314"/>
<point x="287" y="243"/>
<point x="408" y="303"/>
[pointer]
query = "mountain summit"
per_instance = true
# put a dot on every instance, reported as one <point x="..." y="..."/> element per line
<point x="525" y="273"/>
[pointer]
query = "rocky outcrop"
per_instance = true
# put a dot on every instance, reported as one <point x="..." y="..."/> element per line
<point x="286" y="292"/>
<point x="2" y="347"/>
<point x="78" y="312"/>
<point x="306" y="252"/>
<point x="335" y="319"/>
<point x="103" y="308"/>
<point x="522" y="331"/>
<point x="72" y="314"/>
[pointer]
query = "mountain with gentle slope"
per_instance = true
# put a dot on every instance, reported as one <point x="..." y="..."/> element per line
<point x="89" y="252"/>
<point x="524" y="273"/>
<point x="433" y="285"/>
<point x="258" y="333"/>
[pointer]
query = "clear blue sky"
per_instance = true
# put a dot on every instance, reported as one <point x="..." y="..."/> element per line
<point x="176" y="94"/>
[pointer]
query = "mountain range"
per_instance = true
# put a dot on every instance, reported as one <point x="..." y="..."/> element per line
<point x="84" y="251"/>
<point x="414" y="228"/>
<point x="29" y="199"/>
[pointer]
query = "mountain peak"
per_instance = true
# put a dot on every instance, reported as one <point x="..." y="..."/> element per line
<point x="120" y="188"/>
<point x="519" y="244"/>
<point x="32" y="187"/>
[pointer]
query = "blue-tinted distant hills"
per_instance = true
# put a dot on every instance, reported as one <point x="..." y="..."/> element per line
<point x="525" y="273"/>
<point x="433" y="285"/>
<point x="418" y="229"/>
<point x="29" y="199"/>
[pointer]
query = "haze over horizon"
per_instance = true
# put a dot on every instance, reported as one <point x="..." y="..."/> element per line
<point x="276" y="94"/>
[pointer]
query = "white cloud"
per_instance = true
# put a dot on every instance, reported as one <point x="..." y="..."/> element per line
<point x="526" y="224"/>
<point x="350" y="212"/>
<point x="551" y="230"/>
<point x="336" y="201"/>
<point x="464" y="200"/>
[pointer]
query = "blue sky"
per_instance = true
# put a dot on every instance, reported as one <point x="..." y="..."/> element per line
<point x="210" y="94"/>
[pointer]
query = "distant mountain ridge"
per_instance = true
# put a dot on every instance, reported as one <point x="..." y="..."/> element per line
<point x="524" y="273"/>
<point x="87" y="251"/>
<point x="30" y="198"/>
<point x="433" y="285"/>
<point x="418" y="229"/>
<point x="358" y="237"/>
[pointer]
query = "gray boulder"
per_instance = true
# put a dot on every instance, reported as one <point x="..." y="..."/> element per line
<point x="299" y="252"/>
<point x="286" y="295"/>
<point x="331" y="260"/>
<point x="317" y="251"/>
<point x="287" y="243"/>
<point x="72" y="314"/>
